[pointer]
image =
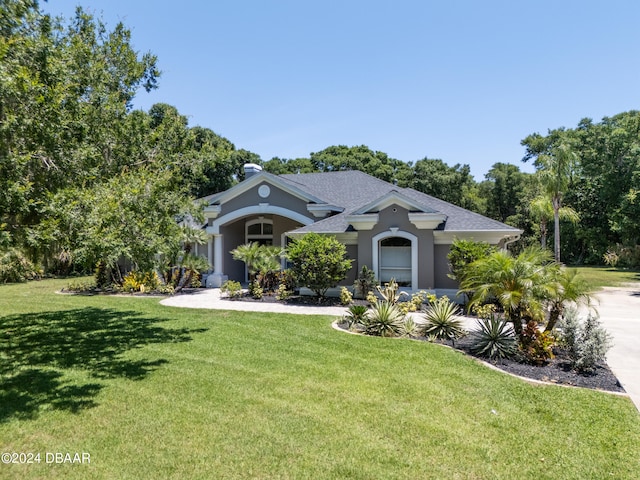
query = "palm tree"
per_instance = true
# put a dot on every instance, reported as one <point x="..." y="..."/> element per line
<point x="541" y="209"/>
<point x="190" y="236"/>
<point x="519" y="284"/>
<point x="190" y="265"/>
<point x="258" y="258"/>
<point x="555" y="170"/>
<point x="570" y="288"/>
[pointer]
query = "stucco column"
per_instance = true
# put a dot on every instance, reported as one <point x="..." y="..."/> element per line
<point x="217" y="253"/>
<point x="217" y="278"/>
<point x="210" y="250"/>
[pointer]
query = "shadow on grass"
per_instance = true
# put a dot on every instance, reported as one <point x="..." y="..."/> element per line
<point x="37" y="349"/>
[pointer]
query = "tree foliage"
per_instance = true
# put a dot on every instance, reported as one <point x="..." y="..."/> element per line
<point x="70" y="139"/>
<point x="602" y="186"/>
<point x="133" y="216"/>
<point x="318" y="262"/>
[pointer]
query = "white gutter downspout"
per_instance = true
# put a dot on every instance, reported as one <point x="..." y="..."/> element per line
<point x="511" y="239"/>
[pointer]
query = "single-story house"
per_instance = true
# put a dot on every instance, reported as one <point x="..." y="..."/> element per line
<point x="398" y="232"/>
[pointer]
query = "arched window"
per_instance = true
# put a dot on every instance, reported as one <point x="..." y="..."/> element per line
<point x="395" y="260"/>
<point x="395" y="255"/>
<point x="259" y="230"/>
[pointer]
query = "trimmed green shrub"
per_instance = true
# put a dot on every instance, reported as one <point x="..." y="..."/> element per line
<point x="318" y="262"/>
<point x="494" y="339"/>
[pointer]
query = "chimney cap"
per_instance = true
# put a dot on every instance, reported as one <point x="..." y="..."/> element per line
<point x="251" y="169"/>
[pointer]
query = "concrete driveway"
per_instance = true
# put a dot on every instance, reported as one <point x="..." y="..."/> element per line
<point x="619" y="310"/>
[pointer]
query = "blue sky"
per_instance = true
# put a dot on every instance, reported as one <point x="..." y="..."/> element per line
<point x="463" y="81"/>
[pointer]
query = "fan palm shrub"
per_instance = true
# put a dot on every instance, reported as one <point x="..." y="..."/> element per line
<point x="191" y="265"/>
<point x="356" y="315"/>
<point x="570" y="288"/>
<point x="263" y="264"/>
<point x="442" y="322"/>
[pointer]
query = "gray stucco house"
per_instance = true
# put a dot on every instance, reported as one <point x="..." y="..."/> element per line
<point x="398" y="232"/>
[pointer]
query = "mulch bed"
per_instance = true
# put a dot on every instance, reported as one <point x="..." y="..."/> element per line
<point x="558" y="370"/>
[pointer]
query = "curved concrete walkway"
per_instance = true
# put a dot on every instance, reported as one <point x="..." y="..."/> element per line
<point x="210" y="298"/>
<point x="619" y="310"/>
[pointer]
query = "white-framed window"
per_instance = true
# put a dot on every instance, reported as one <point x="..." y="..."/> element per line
<point x="395" y="260"/>
<point x="395" y="255"/>
<point x="259" y="230"/>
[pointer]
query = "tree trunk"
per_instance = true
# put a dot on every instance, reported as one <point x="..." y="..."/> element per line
<point x="516" y="320"/>
<point x="556" y="224"/>
<point x="554" y="315"/>
<point x="543" y="234"/>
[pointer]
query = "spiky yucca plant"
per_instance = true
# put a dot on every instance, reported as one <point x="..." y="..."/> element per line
<point x="384" y="320"/>
<point x="441" y="321"/>
<point x="495" y="339"/>
<point x="409" y="328"/>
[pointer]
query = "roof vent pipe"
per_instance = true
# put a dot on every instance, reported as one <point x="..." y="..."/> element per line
<point x="251" y="169"/>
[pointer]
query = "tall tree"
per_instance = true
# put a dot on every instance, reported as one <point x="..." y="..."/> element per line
<point x="541" y="211"/>
<point x="555" y="166"/>
<point x="451" y="184"/>
<point x="503" y="189"/>
<point x="64" y="97"/>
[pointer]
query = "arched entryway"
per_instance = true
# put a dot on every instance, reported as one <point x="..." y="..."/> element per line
<point x="262" y="223"/>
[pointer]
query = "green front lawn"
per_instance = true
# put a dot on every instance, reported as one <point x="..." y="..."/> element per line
<point x="156" y="392"/>
<point x="598" y="277"/>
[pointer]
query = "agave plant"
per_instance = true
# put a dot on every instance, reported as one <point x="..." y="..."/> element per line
<point x="495" y="339"/>
<point x="409" y="328"/>
<point x="384" y="320"/>
<point x="441" y="321"/>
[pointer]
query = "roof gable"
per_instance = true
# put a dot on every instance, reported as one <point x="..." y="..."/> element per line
<point x="256" y="179"/>
<point x="393" y="197"/>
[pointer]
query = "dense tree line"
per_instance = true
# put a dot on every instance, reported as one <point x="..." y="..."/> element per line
<point x="586" y="185"/>
<point x="78" y="165"/>
<point x="77" y="160"/>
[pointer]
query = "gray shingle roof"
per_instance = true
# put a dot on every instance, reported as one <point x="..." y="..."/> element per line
<point x="353" y="190"/>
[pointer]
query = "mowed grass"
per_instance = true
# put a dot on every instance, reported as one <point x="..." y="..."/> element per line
<point x="153" y="392"/>
<point x="598" y="277"/>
